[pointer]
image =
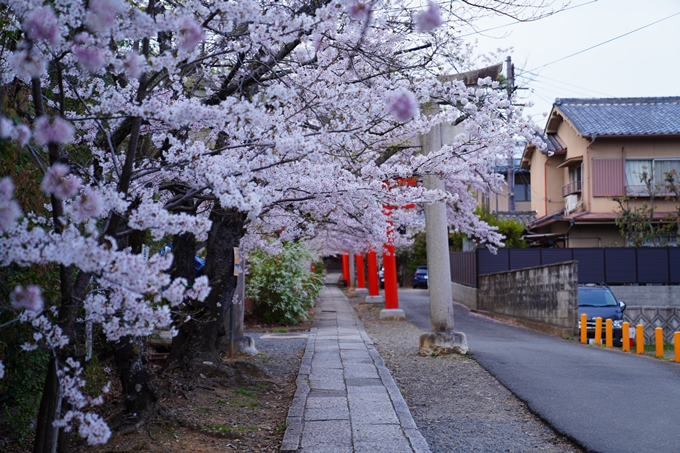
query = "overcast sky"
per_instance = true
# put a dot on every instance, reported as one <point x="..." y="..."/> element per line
<point x="643" y="63"/>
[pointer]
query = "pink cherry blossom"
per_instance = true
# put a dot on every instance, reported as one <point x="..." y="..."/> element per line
<point x="28" y="63"/>
<point x="133" y="65"/>
<point x="9" y="209"/>
<point x="41" y="25"/>
<point x="59" y="183"/>
<point x="88" y="205"/>
<point x="358" y="10"/>
<point x="429" y="19"/>
<point x="403" y="105"/>
<point x="22" y="134"/>
<point x="101" y="16"/>
<point x="6" y="189"/>
<point x="60" y="131"/>
<point x="191" y="33"/>
<point x="6" y="127"/>
<point x="90" y="58"/>
<point x="27" y="299"/>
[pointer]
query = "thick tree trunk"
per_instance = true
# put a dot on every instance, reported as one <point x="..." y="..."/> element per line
<point x="138" y="387"/>
<point x="198" y="339"/>
<point x="45" y="434"/>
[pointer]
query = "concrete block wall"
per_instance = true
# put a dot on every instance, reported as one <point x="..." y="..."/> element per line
<point x="465" y="295"/>
<point x="668" y="318"/>
<point x="543" y="297"/>
<point x="648" y="296"/>
<point x="651" y="306"/>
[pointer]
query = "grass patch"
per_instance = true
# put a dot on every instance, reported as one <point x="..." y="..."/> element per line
<point x="222" y="402"/>
<point x="652" y="347"/>
<point x="281" y="428"/>
<point x="281" y="331"/>
<point x="217" y="428"/>
<point x="244" y="392"/>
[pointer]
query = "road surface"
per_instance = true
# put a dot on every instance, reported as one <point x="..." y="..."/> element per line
<point x="603" y="399"/>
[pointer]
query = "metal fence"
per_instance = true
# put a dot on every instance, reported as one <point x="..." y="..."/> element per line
<point x="595" y="265"/>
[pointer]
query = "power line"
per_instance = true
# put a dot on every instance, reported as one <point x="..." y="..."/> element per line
<point x="561" y="82"/>
<point x="604" y="42"/>
<point x="579" y="90"/>
<point x="522" y="21"/>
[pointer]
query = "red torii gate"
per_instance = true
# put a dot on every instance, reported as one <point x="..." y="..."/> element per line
<point x="392" y="310"/>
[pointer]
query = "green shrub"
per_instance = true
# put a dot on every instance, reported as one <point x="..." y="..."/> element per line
<point x="21" y="388"/>
<point x="283" y="286"/>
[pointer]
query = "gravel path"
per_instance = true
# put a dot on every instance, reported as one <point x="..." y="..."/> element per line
<point x="457" y="405"/>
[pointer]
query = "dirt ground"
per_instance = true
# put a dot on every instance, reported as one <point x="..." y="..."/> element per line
<point x="208" y="414"/>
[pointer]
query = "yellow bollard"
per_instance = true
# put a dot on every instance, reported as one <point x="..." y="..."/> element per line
<point x="659" y="341"/>
<point x="676" y="343"/>
<point x="640" y="339"/>
<point x="625" y="338"/>
<point x="609" y="338"/>
<point x="584" y="328"/>
<point x="598" y="330"/>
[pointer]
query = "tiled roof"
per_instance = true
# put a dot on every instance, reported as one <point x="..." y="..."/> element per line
<point x="551" y="142"/>
<point x="622" y="116"/>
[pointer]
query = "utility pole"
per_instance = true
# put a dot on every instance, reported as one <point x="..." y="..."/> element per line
<point x="510" y="74"/>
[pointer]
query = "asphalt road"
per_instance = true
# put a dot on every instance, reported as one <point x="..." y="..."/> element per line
<point x="605" y="400"/>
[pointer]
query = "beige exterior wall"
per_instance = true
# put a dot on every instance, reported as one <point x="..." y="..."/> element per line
<point x="595" y="235"/>
<point x="631" y="148"/>
<point x="546" y="175"/>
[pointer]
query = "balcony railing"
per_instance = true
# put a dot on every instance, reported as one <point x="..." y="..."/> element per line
<point x="641" y="190"/>
<point x="572" y="187"/>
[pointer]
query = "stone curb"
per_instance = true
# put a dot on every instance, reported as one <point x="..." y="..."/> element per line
<point x="291" y="438"/>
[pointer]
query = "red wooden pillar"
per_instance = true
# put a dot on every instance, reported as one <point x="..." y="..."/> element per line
<point x="345" y="268"/>
<point x="372" y="274"/>
<point x="361" y="279"/>
<point x="390" y="264"/>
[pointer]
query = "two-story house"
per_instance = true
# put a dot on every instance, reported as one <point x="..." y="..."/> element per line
<point x="596" y="150"/>
<point x="498" y="203"/>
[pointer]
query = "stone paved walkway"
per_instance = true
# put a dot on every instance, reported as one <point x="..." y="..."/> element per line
<point x="346" y="399"/>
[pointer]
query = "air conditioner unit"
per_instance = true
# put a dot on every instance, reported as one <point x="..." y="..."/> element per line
<point x="571" y="203"/>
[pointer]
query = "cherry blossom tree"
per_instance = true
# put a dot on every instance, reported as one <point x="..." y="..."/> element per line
<point x="220" y="124"/>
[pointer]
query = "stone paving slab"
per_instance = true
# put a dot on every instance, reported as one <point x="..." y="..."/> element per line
<point x="346" y="400"/>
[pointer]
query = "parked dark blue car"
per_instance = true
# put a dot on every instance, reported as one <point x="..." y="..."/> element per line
<point x="420" y="277"/>
<point x="597" y="301"/>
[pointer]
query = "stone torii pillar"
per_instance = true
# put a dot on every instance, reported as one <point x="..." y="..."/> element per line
<point x="352" y="276"/>
<point x="442" y="339"/>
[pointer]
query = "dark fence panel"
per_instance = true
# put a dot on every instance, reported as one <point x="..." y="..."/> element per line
<point x="674" y="265"/>
<point x="487" y="263"/>
<point x="521" y="258"/>
<point x="552" y="256"/>
<point x="464" y="268"/>
<point x="655" y="267"/>
<point x="621" y="265"/>
<point x="595" y="265"/>
<point x="590" y="265"/>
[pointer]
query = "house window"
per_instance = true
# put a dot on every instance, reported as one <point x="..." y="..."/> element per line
<point x="574" y="185"/>
<point x="639" y="170"/>
<point x="522" y="191"/>
<point x="575" y="174"/>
